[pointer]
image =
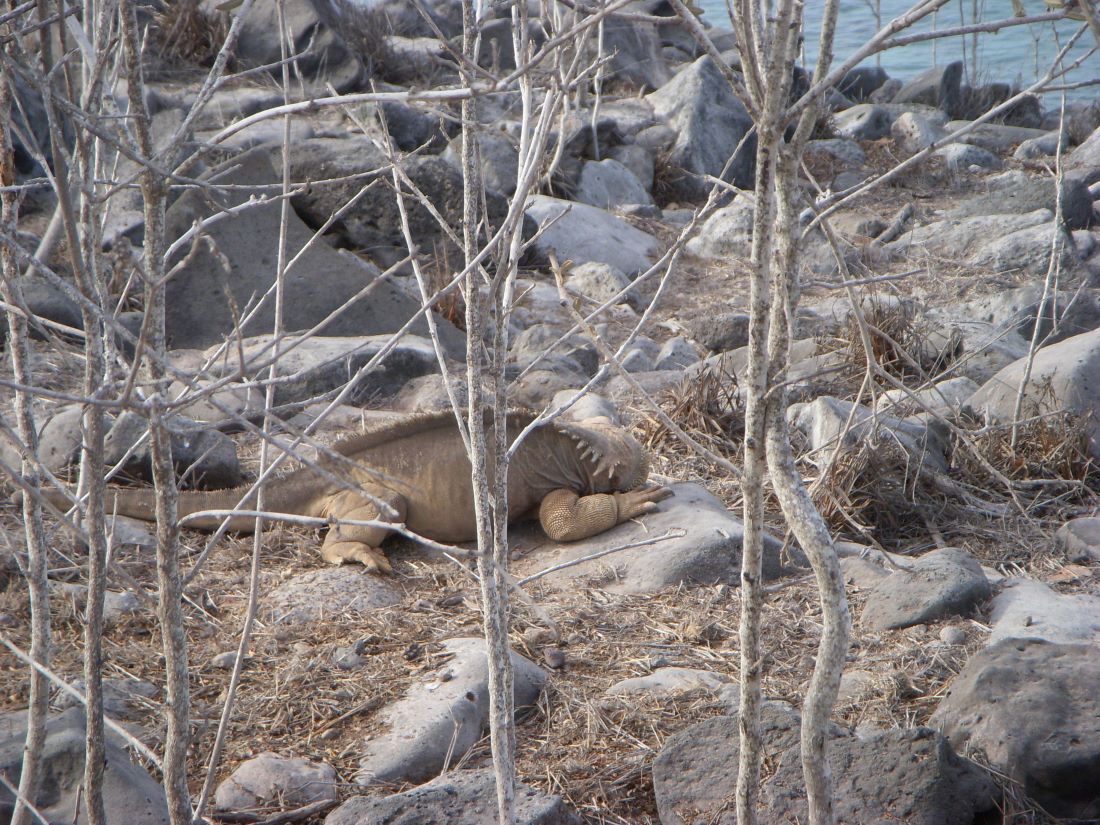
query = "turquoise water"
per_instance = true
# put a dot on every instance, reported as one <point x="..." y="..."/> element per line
<point x="1016" y="55"/>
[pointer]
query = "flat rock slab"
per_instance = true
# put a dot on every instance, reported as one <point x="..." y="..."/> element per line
<point x="668" y="682"/>
<point x="456" y="798"/>
<point x="130" y="794"/>
<point x="910" y="776"/>
<point x="1032" y="709"/>
<point x="332" y="591"/>
<point x="1079" y="539"/>
<point x="942" y="583"/>
<point x="580" y="233"/>
<point x="707" y="552"/>
<point x="1027" y="609"/>
<point x="270" y="781"/>
<point x="442" y="716"/>
<point x="957" y="238"/>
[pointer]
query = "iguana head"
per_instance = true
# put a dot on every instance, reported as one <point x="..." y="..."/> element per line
<point x="611" y="458"/>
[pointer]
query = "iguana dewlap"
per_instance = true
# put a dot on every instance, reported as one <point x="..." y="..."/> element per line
<point x="582" y="478"/>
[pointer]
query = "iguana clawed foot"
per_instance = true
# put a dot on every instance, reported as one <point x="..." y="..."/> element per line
<point x="643" y="500"/>
<point x="338" y="552"/>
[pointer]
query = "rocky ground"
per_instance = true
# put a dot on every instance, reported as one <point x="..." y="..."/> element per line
<point x="969" y="547"/>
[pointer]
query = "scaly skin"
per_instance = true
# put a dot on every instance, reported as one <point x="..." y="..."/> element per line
<point x="581" y="479"/>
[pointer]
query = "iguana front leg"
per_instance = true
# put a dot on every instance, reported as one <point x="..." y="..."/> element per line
<point x="352" y="542"/>
<point x="565" y="516"/>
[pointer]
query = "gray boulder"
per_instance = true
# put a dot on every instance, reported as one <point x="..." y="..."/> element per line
<point x="697" y="767"/>
<point x="499" y="160"/>
<point x="861" y="82"/>
<point x="917" y="444"/>
<point x="125" y="210"/>
<point x="1065" y="314"/>
<point x="123" y="699"/>
<point x="130" y="794"/>
<point x="582" y="233"/>
<point x="636" y="48"/>
<point x="959" y="157"/>
<point x="338" y="169"/>
<point x="540" y="343"/>
<point x="456" y="798"/>
<point x="442" y="716"/>
<point x="939" y="584"/>
<point x="914" y="132"/>
<point x="726" y="233"/>
<point x="204" y="456"/>
<point x="720" y="332"/>
<point x="1027" y="609"/>
<point x="59" y="440"/>
<point x="709" y="122"/>
<point x="331" y="591"/>
<point x="1016" y="193"/>
<point x="938" y="87"/>
<point x="1028" y="251"/>
<point x="607" y="184"/>
<point x="1030" y="707"/>
<point x="863" y="122"/>
<point x="46" y="301"/>
<point x="910" y="776"/>
<point x="321" y="282"/>
<point x="409" y="127"/>
<point x="946" y="398"/>
<point x="601" y="282"/>
<point x="1040" y="147"/>
<point x="1063" y="376"/>
<point x="412" y="60"/>
<point x="839" y="153"/>
<point x="676" y="354"/>
<point x="1084" y="161"/>
<point x="994" y="137"/>
<point x="960" y="237"/>
<point x="324" y="56"/>
<point x="307" y="369"/>
<point x="704" y="548"/>
<point x="638" y="160"/>
<point x="270" y="781"/>
<point x="1079" y="539"/>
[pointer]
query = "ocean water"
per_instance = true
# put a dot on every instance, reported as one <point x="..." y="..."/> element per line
<point x="1016" y="55"/>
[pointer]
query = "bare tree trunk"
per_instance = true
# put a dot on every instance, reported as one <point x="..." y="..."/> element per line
<point x="98" y="19"/>
<point x="771" y="85"/>
<point x="36" y="572"/>
<point x="154" y="191"/>
<point x="801" y="515"/>
<point x="489" y="482"/>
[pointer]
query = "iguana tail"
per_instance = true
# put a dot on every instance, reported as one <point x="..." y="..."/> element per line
<point x="141" y="504"/>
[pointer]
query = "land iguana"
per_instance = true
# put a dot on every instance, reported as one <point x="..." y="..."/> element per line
<point x="581" y="479"/>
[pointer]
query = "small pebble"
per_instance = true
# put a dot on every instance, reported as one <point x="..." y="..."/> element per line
<point x="225" y="661"/>
<point x="555" y="659"/>
<point x="953" y="635"/>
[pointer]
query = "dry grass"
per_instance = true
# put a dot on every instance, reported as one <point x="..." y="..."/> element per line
<point x="185" y="33"/>
<point x="898" y="335"/>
